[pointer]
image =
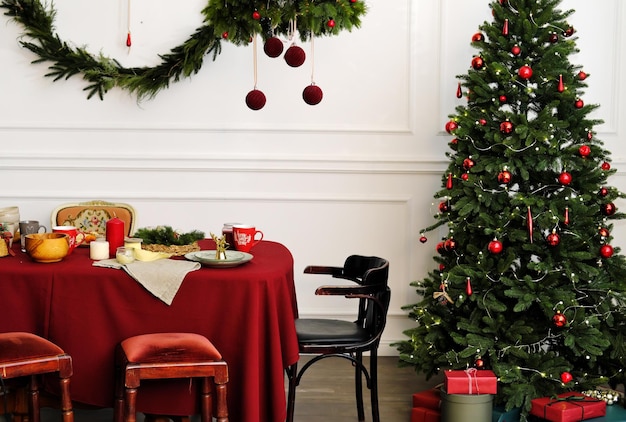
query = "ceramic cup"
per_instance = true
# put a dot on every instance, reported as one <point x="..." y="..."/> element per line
<point x="75" y="236"/>
<point x="245" y="237"/>
<point x="29" y="227"/>
<point x="7" y="231"/>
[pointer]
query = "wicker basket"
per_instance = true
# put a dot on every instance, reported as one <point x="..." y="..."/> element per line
<point x="176" y="250"/>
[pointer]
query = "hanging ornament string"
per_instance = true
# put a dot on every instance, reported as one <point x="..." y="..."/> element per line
<point x="254" y="61"/>
<point x="312" y="59"/>
<point x="255" y="100"/>
<point x="128" y="37"/>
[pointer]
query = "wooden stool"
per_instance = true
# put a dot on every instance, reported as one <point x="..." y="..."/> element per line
<point x="170" y="355"/>
<point x="28" y="355"/>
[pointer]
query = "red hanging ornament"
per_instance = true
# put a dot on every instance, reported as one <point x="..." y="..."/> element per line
<point x="468" y="163"/>
<point x="582" y="76"/>
<point x="553" y="38"/>
<point x="565" y="178"/>
<point x="478" y="37"/>
<point x="553" y="239"/>
<point x="566" y="377"/>
<point x="604" y="232"/>
<point x="478" y="63"/>
<point x="450" y="245"/>
<point x="608" y="209"/>
<point x="312" y="94"/>
<point x="584" y="151"/>
<point x="495" y="247"/>
<point x="479" y="363"/>
<point x="442" y="267"/>
<point x="504" y="177"/>
<point x="468" y="287"/>
<point x="516" y="50"/>
<point x="465" y="176"/>
<point x="273" y="47"/>
<point x="482" y="122"/>
<point x="451" y="126"/>
<point x="444" y="207"/>
<point x="129" y="41"/>
<point x="295" y="56"/>
<point x="561" y="86"/>
<point x="525" y="72"/>
<point x="579" y="103"/>
<point x="589" y="135"/>
<point x="449" y="181"/>
<point x="568" y="32"/>
<point x="506" y="127"/>
<point x="255" y="100"/>
<point x="505" y="28"/>
<point x="502" y="98"/>
<point x="559" y="319"/>
<point x="256" y="15"/>
<point x="605" y="166"/>
<point x="566" y="217"/>
<point x="225" y="34"/>
<point x="441" y="248"/>
<point x="603" y="192"/>
<point x="423" y="239"/>
<point x="459" y="92"/>
<point x="529" y="224"/>
<point x="330" y="23"/>
<point x="606" y="251"/>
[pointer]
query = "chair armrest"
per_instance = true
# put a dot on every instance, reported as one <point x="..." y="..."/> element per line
<point x="320" y="269"/>
<point x="346" y="290"/>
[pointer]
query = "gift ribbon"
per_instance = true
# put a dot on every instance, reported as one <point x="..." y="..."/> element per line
<point x="573" y="400"/>
<point x="471" y="375"/>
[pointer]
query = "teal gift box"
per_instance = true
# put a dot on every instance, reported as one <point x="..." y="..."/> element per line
<point x="501" y="415"/>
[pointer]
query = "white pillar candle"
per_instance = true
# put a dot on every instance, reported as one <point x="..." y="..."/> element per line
<point x="99" y="249"/>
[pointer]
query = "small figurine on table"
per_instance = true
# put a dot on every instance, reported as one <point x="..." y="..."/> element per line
<point x="220" y="246"/>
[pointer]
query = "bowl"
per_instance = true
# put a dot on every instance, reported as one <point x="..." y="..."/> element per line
<point x="47" y="247"/>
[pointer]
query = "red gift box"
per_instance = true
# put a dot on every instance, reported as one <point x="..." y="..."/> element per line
<point x="428" y="399"/>
<point x="470" y="381"/>
<point x="420" y="414"/>
<point x="568" y="407"/>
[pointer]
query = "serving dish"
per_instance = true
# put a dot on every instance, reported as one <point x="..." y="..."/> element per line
<point x="233" y="258"/>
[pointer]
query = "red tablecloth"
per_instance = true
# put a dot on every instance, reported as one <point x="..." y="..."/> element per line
<point x="247" y="312"/>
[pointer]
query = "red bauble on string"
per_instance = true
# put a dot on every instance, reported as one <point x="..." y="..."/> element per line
<point x="451" y="126"/>
<point x="468" y="163"/>
<point x="525" y="72"/>
<point x="465" y="176"/>
<point x="468" y="287"/>
<point x="561" y="86"/>
<point x="441" y="248"/>
<point x="604" y="232"/>
<point x="606" y="166"/>
<point x="579" y="103"/>
<point x="225" y="34"/>
<point x="478" y="63"/>
<point x="565" y="178"/>
<point x="459" y="91"/>
<point x="566" y="377"/>
<point x="312" y="94"/>
<point x="505" y="28"/>
<point x="606" y="251"/>
<point x="608" y="209"/>
<point x="495" y="247"/>
<point x="504" y="177"/>
<point x="273" y="47"/>
<point x="449" y="184"/>
<point x="330" y="23"/>
<point x="129" y="41"/>
<point x="516" y="50"/>
<point x="423" y="239"/>
<point x="506" y="127"/>
<point x="295" y="56"/>
<point x="589" y="135"/>
<point x="255" y="99"/>
<point x="256" y="15"/>
<point x="553" y="38"/>
<point x="584" y="150"/>
<point x="444" y="207"/>
<point x="568" y="32"/>
<point x="478" y="37"/>
<point x="479" y="363"/>
<point x="559" y="319"/>
<point x="582" y="75"/>
<point x="566" y="217"/>
<point x="450" y="245"/>
<point x="502" y="98"/>
<point x="603" y="192"/>
<point x="553" y="239"/>
<point x="529" y="224"/>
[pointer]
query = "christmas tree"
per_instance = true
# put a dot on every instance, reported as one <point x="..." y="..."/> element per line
<point x="526" y="282"/>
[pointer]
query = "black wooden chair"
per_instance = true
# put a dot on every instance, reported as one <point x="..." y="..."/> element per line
<point x="349" y="340"/>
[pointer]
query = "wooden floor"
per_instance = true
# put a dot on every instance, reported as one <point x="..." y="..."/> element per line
<point x="326" y="393"/>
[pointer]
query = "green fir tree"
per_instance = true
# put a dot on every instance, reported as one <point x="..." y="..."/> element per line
<point x="526" y="282"/>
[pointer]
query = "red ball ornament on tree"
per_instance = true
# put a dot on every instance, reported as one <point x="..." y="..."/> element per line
<point x="478" y="37"/>
<point x="516" y="50"/>
<point x="256" y="15"/>
<point x="566" y="377"/>
<point x="479" y="363"/>
<point x="579" y="103"/>
<point x="565" y="178"/>
<point x="450" y="245"/>
<point x="444" y="207"/>
<point x="603" y="192"/>
<point x="255" y="100"/>
<point x="441" y="248"/>
<point x="604" y="232"/>
<point x="312" y="94"/>
<point x="606" y="166"/>
<point x="478" y="63"/>
<point x="568" y="32"/>
<point x="553" y="239"/>
<point x="506" y="128"/>
<point x="584" y="150"/>
<point x="423" y="239"/>
<point x="468" y="163"/>
<point x="495" y="247"/>
<point x="295" y="56"/>
<point x="606" y="251"/>
<point x="582" y="76"/>
<point x="465" y="176"/>
<point x="504" y="177"/>
<point x="608" y="209"/>
<point x="559" y="319"/>
<point x="225" y="34"/>
<point x="502" y="98"/>
<point x="451" y="126"/>
<point x="525" y="72"/>
<point x="330" y="23"/>
<point x="553" y="38"/>
<point x="273" y="47"/>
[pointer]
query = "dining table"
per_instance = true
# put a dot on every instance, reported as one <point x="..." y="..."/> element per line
<point x="247" y="311"/>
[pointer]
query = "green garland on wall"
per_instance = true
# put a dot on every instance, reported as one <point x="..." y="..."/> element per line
<point x="234" y="21"/>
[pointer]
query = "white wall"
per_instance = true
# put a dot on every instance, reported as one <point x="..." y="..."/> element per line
<point x="355" y="174"/>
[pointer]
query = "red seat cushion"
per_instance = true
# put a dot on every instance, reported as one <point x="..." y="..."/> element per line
<point x="18" y="346"/>
<point x="169" y="347"/>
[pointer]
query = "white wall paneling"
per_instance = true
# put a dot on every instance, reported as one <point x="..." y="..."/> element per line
<point x="355" y="174"/>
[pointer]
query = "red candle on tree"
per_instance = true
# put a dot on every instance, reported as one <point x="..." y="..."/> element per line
<point x="115" y="235"/>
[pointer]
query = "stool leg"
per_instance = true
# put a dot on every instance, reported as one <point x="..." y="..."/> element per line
<point x="33" y="399"/>
<point x="222" y="407"/>
<point x="130" y="412"/>
<point x="206" y="400"/>
<point x="66" y="401"/>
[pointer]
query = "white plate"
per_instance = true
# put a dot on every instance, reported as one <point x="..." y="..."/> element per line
<point x="233" y="258"/>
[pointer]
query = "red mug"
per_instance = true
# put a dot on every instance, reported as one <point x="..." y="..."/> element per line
<point x="74" y="236"/>
<point x="245" y="237"/>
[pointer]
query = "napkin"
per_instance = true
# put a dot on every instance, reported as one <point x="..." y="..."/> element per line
<point x="162" y="278"/>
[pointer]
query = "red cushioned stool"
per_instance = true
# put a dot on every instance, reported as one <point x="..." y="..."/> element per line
<point x="170" y="355"/>
<point x="28" y="355"/>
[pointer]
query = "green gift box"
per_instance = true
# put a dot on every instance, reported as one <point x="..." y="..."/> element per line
<point x="466" y="407"/>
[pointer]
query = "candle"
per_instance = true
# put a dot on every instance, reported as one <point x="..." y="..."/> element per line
<point x="132" y="243"/>
<point x="99" y="249"/>
<point x="115" y="234"/>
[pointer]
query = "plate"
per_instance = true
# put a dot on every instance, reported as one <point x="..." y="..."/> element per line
<point x="233" y="258"/>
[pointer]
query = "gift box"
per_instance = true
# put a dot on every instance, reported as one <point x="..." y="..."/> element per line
<point x="421" y="414"/>
<point x="466" y="407"/>
<point x="470" y="381"/>
<point x="428" y="399"/>
<point x="501" y="415"/>
<point x="567" y="407"/>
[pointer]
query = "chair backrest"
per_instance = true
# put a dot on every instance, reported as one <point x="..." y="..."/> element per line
<point x="366" y="270"/>
<point x="92" y="216"/>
